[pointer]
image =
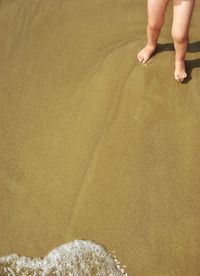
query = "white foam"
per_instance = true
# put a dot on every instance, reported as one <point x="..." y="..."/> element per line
<point x="76" y="258"/>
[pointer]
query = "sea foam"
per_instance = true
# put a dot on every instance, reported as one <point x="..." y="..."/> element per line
<point x="76" y="258"/>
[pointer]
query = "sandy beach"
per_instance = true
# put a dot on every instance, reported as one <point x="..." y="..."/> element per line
<point x="94" y="145"/>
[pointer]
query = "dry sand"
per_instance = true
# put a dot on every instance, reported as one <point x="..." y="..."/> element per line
<point x="94" y="145"/>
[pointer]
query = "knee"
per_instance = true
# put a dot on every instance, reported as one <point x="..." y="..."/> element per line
<point x="155" y="25"/>
<point x="178" y="37"/>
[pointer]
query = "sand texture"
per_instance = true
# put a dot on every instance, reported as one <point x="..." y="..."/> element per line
<point x="94" y="145"/>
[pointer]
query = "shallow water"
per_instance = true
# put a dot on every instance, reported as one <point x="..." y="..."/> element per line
<point x="79" y="257"/>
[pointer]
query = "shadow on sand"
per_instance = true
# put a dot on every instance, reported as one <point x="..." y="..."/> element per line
<point x="193" y="47"/>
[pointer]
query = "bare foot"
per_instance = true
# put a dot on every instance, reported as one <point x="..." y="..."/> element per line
<point x="144" y="55"/>
<point x="180" y="72"/>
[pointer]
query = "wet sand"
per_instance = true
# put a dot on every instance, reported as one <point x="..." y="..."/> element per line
<point x="93" y="144"/>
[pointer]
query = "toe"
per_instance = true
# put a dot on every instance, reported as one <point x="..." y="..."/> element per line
<point x="184" y="75"/>
<point x="144" y="60"/>
<point x="176" y="76"/>
<point x="141" y="58"/>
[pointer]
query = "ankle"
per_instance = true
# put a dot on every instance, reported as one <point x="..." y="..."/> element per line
<point x="151" y="46"/>
<point x="180" y="59"/>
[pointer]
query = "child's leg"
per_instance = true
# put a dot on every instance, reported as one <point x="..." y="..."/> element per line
<point x="182" y="13"/>
<point x="156" y="10"/>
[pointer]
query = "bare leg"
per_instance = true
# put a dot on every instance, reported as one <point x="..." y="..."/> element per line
<point x="182" y="13"/>
<point x="156" y="10"/>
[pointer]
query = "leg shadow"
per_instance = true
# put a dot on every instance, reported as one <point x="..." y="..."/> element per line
<point x="193" y="47"/>
<point x="190" y="65"/>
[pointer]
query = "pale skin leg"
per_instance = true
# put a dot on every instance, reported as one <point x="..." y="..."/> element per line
<point x="156" y="10"/>
<point x="182" y="13"/>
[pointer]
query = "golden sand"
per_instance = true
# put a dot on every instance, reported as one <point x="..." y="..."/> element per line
<point x="94" y="145"/>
